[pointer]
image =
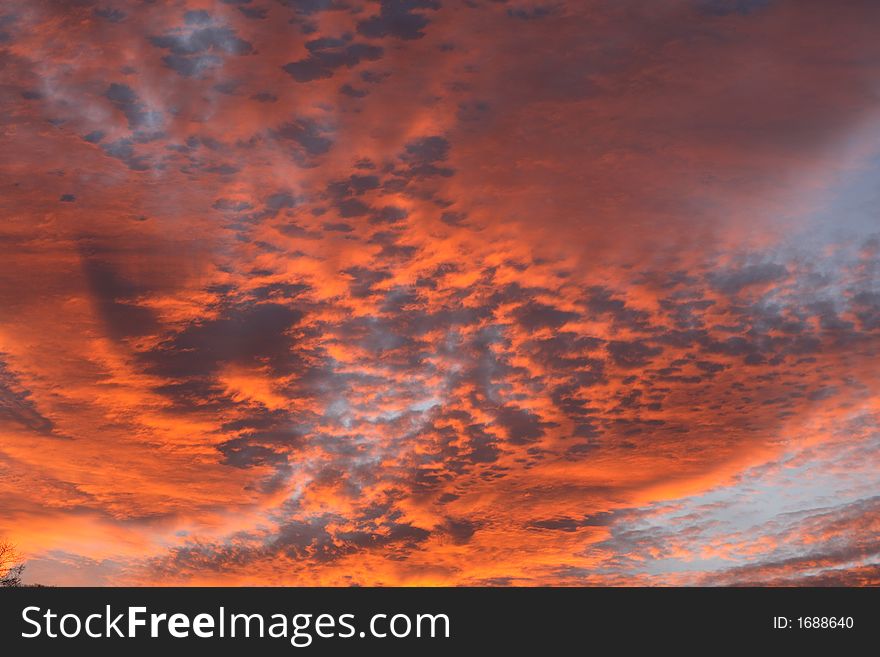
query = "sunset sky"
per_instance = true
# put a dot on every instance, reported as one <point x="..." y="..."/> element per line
<point x="437" y="292"/>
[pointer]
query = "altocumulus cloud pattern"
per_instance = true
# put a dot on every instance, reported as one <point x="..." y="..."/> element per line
<point x="418" y="292"/>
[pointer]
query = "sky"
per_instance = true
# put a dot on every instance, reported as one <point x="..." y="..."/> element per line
<point x="437" y="292"/>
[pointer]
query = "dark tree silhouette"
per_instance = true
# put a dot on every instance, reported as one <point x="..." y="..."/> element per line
<point x="11" y="566"/>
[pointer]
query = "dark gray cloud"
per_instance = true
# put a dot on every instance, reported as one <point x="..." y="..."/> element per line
<point x="353" y="92"/>
<point x="264" y="97"/>
<point x="16" y="405"/>
<point x="392" y="248"/>
<point x="867" y="309"/>
<point x="115" y="298"/>
<point x="280" y="200"/>
<point x="231" y="205"/>
<point x="522" y="426"/>
<point x="460" y="530"/>
<point x="123" y="150"/>
<point x="566" y="350"/>
<point x="535" y="315"/>
<point x="631" y="354"/>
<point x="304" y="538"/>
<point x="240" y="453"/>
<point x="731" y="7"/>
<point x="453" y="218"/>
<point x="398" y="18"/>
<point x="242" y="333"/>
<point x="254" y="13"/>
<point x="338" y="227"/>
<point x="388" y="215"/>
<point x="354" y="184"/>
<point x="110" y="14"/>
<point x="193" y="66"/>
<point x="201" y="40"/>
<point x="328" y="54"/>
<point x="602" y="301"/>
<point x="424" y="156"/>
<point x="363" y="280"/>
<point x="308" y="133"/>
<point x="309" y="7"/>
<point x="732" y="281"/>
<point x="352" y="207"/>
<point x="534" y="12"/>
<point x="566" y="524"/>
<point x="199" y="49"/>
